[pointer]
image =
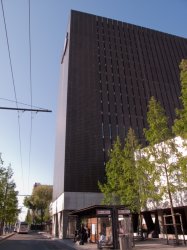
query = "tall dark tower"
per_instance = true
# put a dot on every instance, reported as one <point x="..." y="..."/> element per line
<point x="109" y="71"/>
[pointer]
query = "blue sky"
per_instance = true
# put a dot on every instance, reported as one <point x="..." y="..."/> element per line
<point x="49" y="20"/>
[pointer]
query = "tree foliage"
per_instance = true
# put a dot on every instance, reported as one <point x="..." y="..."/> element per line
<point x="164" y="154"/>
<point x="129" y="188"/>
<point x="158" y="123"/>
<point x="29" y="217"/>
<point x="180" y="124"/>
<point x="163" y="150"/>
<point x="8" y="196"/>
<point x="138" y="179"/>
<point x="113" y="170"/>
<point x="39" y="203"/>
<point x="127" y="171"/>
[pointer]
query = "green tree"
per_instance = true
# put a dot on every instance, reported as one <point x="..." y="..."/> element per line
<point x="135" y="183"/>
<point x="28" y="218"/>
<point x="39" y="202"/>
<point x="129" y="180"/>
<point x="136" y="186"/>
<point x="160" y="152"/>
<point x="8" y="197"/>
<point x="113" y="170"/>
<point x="180" y="124"/>
<point x="128" y="173"/>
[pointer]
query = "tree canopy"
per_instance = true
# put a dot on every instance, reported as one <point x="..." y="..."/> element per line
<point x="164" y="154"/>
<point x="8" y="196"/>
<point x="127" y="171"/>
<point x="39" y="203"/>
<point x="180" y="124"/>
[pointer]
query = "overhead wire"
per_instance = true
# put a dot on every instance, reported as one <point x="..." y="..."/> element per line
<point x="30" y="78"/>
<point x="14" y="87"/>
<point x="5" y="99"/>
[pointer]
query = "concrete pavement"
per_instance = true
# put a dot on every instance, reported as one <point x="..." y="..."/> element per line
<point x="5" y="236"/>
<point x="149" y="244"/>
<point x="160" y="244"/>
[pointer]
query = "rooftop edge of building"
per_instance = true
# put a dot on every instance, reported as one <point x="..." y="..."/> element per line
<point x="136" y="26"/>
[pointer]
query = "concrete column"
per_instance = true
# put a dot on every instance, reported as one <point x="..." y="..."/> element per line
<point x="161" y="221"/>
<point x="53" y="225"/>
<point x="65" y="222"/>
<point x="149" y="221"/>
<point x="60" y="225"/>
<point x="56" y="225"/>
<point x="185" y="211"/>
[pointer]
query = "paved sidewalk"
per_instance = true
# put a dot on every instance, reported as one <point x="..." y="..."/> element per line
<point x="149" y="244"/>
<point x="139" y="245"/>
<point x="160" y="244"/>
<point x="5" y="236"/>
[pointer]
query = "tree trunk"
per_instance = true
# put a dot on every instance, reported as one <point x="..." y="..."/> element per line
<point x="172" y="209"/>
<point x="1" y="227"/>
<point x="140" y="226"/>
<point x="173" y="219"/>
